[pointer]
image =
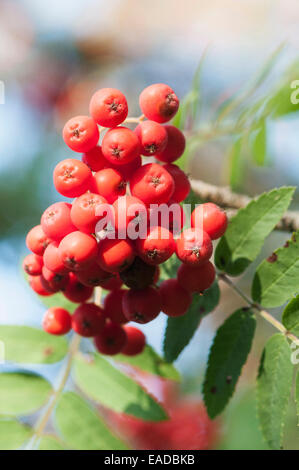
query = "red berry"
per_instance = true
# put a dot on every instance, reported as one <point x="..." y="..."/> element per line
<point x="36" y="284"/>
<point x="33" y="264"/>
<point x="56" y="221"/>
<point x="88" y="320"/>
<point x="111" y="340"/>
<point x="113" y="306"/>
<point x="175" y="147"/>
<point x="175" y="299"/>
<point x="81" y="133"/>
<point x="194" y="247"/>
<point x="85" y="211"/>
<point x="128" y="169"/>
<point x="78" y="250"/>
<point x="94" y="159"/>
<point x="159" y="102"/>
<point x="93" y="276"/>
<point x="108" y="107"/>
<point x="135" y="341"/>
<point x="157" y="247"/>
<point x="113" y="283"/>
<point x="130" y="214"/>
<point x="120" y="145"/>
<point x="57" y="321"/>
<point x="75" y="291"/>
<point x="181" y="182"/>
<point x="110" y="184"/>
<point x="52" y="259"/>
<point x="115" y="255"/>
<point x="72" y="177"/>
<point x="37" y="241"/>
<point x="210" y="218"/>
<point x="55" y="281"/>
<point x="143" y="305"/>
<point x="152" y="184"/>
<point x="139" y="275"/>
<point x="152" y="137"/>
<point x="196" y="279"/>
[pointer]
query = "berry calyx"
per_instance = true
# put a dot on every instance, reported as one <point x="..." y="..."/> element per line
<point x="210" y="218"/>
<point x="120" y="146"/>
<point x="194" y="247"/>
<point x="108" y="107"/>
<point x="152" y="184"/>
<point x="175" y="299"/>
<point x="55" y="281"/>
<point x="88" y="320"/>
<point x="111" y="340"/>
<point x="159" y="102"/>
<point x="57" y="321"/>
<point x="72" y="177"/>
<point x="81" y="134"/>
<point x="135" y="341"/>
<point x="142" y="306"/>
<point x="152" y="137"/>
<point x="157" y="247"/>
<point x="77" y="250"/>
<point x="33" y="264"/>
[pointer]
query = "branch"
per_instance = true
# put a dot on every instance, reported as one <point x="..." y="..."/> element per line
<point x="224" y="197"/>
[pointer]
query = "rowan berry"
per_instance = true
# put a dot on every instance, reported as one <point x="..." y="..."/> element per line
<point x="181" y="182"/>
<point x="95" y="159"/>
<point x="81" y="133"/>
<point x="113" y="306"/>
<point x="135" y="341"/>
<point x="157" y="247"/>
<point x="110" y="184"/>
<point x="85" y="212"/>
<point x="175" y="147"/>
<point x="108" y="107"/>
<point x="72" y="177"/>
<point x="37" y="241"/>
<point x="142" y="306"/>
<point x="196" y="278"/>
<point x="159" y="102"/>
<point x="152" y="137"/>
<point x="210" y="218"/>
<point x="111" y="340"/>
<point x="52" y="259"/>
<point x="130" y="215"/>
<point x="139" y="275"/>
<point x="57" y="321"/>
<point x="194" y="247"/>
<point x="175" y="299"/>
<point x="93" y="276"/>
<point x="56" y="221"/>
<point x="152" y="184"/>
<point x="113" y="283"/>
<point x="128" y="169"/>
<point x="77" y="250"/>
<point x="115" y="255"/>
<point x="55" y="281"/>
<point x="33" y="264"/>
<point x="37" y="285"/>
<point x="88" y="320"/>
<point x="120" y="145"/>
<point x="75" y="291"/>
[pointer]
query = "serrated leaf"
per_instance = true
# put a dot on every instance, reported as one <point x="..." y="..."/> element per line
<point x="259" y="147"/>
<point x="273" y="389"/>
<point x="290" y="316"/>
<point x="49" y="442"/>
<point x="26" y="345"/>
<point x="227" y="356"/>
<point x="150" y="361"/>
<point x="276" y="278"/>
<point x="247" y="231"/>
<point x="180" y="330"/>
<point x="22" y="393"/>
<point x="13" y="434"/>
<point x="80" y="426"/>
<point x="102" y="382"/>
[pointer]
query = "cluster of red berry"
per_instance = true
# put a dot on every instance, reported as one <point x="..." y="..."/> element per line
<point x="70" y="255"/>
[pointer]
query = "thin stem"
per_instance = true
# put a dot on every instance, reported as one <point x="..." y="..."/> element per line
<point x="135" y="119"/>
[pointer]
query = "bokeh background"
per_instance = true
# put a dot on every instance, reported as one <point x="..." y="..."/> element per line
<point x="53" y="56"/>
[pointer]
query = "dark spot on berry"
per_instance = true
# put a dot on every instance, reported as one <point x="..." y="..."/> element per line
<point x="116" y="152"/>
<point x="76" y="133"/>
<point x="114" y="106"/>
<point x="156" y="181"/>
<point x="152" y="148"/>
<point x="272" y="258"/>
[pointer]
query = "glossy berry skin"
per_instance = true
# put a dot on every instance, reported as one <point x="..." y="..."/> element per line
<point x="72" y="177"/>
<point x="142" y="306"/>
<point x="175" y="299"/>
<point x="85" y="210"/>
<point x="113" y="283"/>
<point x="37" y="285"/>
<point x="56" y="221"/>
<point x="108" y="107"/>
<point x="115" y="255"/>
<point x="88" y="320"/>
<point x="157" y="247"/>
<point x="77" y="250"/>
<point x="196" y="279"/>
<point x="194" y="247"/>
<point x="135" y="341"/>
<point x="52" y="260"/>
<point x="33" y="264"/>
<point x="111" y="340"/>
<point x="152" y="184"/>
<point x="120" y="146"/>
<point x="94" y="159"/>
<point x="93" y="276"/>
<point x="37" y="241"/>
<point x="158" y="102"/>
<point x="57" y="321"/>
<point x="56" y="282"/>
<point x="152" y="137"/>
<point x="210" y="218"/>
<point x="75" y="291"/>
<point x="113" y="306"/>
<point x="181" y="182"/>
<point x="110" y="184"/>
<point x="139" y="275"/>
<point x="129" y="213"/>
<point x="81" y="134"/>
<point x="175" y="147"/>
<point x="128" y="169"/>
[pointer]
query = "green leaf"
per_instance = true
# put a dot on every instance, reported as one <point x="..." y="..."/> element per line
<point x="227" y="356"/>
<point x="150" y="361"/>
<point x="80" y="426"/>
<point x="22" y="393"/>
<point x="276" y="278"/>
<point x="236" y="163"/>
<point x="290" y="316"/>
<point x="107" y="385"/>
<point x="247" y="231"/>
<point x="169" y="269"/>
<point x="13" y="434"/>
<point x="297" y="394"/>
<point x="259" y="147"/>
<point x="180" y="330"/>
<point x="26" y="345"/>
<point x="49" y="442"/>
<point x="273" y="389"/>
